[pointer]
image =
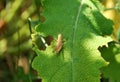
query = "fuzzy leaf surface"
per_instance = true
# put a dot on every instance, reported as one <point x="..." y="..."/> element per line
<point x="83" y="28"/>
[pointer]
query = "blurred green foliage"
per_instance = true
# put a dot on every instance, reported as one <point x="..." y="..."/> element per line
<point x="15" y="40"/>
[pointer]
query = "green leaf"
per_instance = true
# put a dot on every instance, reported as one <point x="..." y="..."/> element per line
<point x="82" y="33"/>
<point x="112" y="55"/>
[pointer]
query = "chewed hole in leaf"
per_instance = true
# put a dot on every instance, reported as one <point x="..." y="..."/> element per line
<point x="48" y="39"/>
<point x="41" y="42"/>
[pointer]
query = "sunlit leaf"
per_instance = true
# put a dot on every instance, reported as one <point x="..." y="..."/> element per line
<point x="83" y="28"/>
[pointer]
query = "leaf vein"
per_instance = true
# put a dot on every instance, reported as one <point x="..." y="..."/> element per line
<point x="73" y="37"/>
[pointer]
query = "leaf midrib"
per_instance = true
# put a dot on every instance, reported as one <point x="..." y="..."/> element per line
<point x="74" y="38"/>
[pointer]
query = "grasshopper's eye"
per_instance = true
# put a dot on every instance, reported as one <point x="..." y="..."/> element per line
<point x="59" y="44"/>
